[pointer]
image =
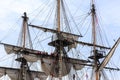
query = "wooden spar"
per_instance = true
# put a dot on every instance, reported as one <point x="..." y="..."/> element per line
<point x="36" y="52"/>
<point x="109" y="55"/>
<point x="94" y="40"/>
<point x="25" y="18"/>
<point x="52" y="30"/>
<point x="58" y="15"/>
<point x="58" y="34"/>
<point x="90" y="44"/>
<point x="79" y="42"/>
<point x="22" y="60"/>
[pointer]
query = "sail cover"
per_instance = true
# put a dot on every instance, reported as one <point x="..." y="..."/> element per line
<point x="15" y="73"/>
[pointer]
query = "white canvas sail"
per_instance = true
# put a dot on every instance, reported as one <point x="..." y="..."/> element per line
<point x="14" y="74"/>
<point x="51" y="65"/>
<point x="16" y="50"/>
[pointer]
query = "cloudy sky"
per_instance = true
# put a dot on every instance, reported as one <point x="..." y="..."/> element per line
<point x="12" y="10"/>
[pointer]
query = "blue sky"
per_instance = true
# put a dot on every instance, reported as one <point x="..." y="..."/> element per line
<point x="12" y="10"/>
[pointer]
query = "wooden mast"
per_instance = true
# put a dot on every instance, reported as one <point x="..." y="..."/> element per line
<point x="23" y="70"/>
<point x="25" y="18"/>
<point x="94" y="40"/>
<point x="58" y="15"/>
<point x="58" y="35"/>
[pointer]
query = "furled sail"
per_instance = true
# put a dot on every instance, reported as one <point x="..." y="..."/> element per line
<point x="50" y="65"/>
<point x="64" y="35"/>
<point x="15" y="73"/>
<point x="15" y="49"/>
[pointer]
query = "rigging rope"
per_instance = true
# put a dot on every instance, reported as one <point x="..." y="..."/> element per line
<point x="49" y="14"/>
<point x="72" y="18"/>
<point x="38" y="40"/>
<point x="42" y="9"/>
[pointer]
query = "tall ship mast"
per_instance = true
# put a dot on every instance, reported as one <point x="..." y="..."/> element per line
<point x="60" y="57"/>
